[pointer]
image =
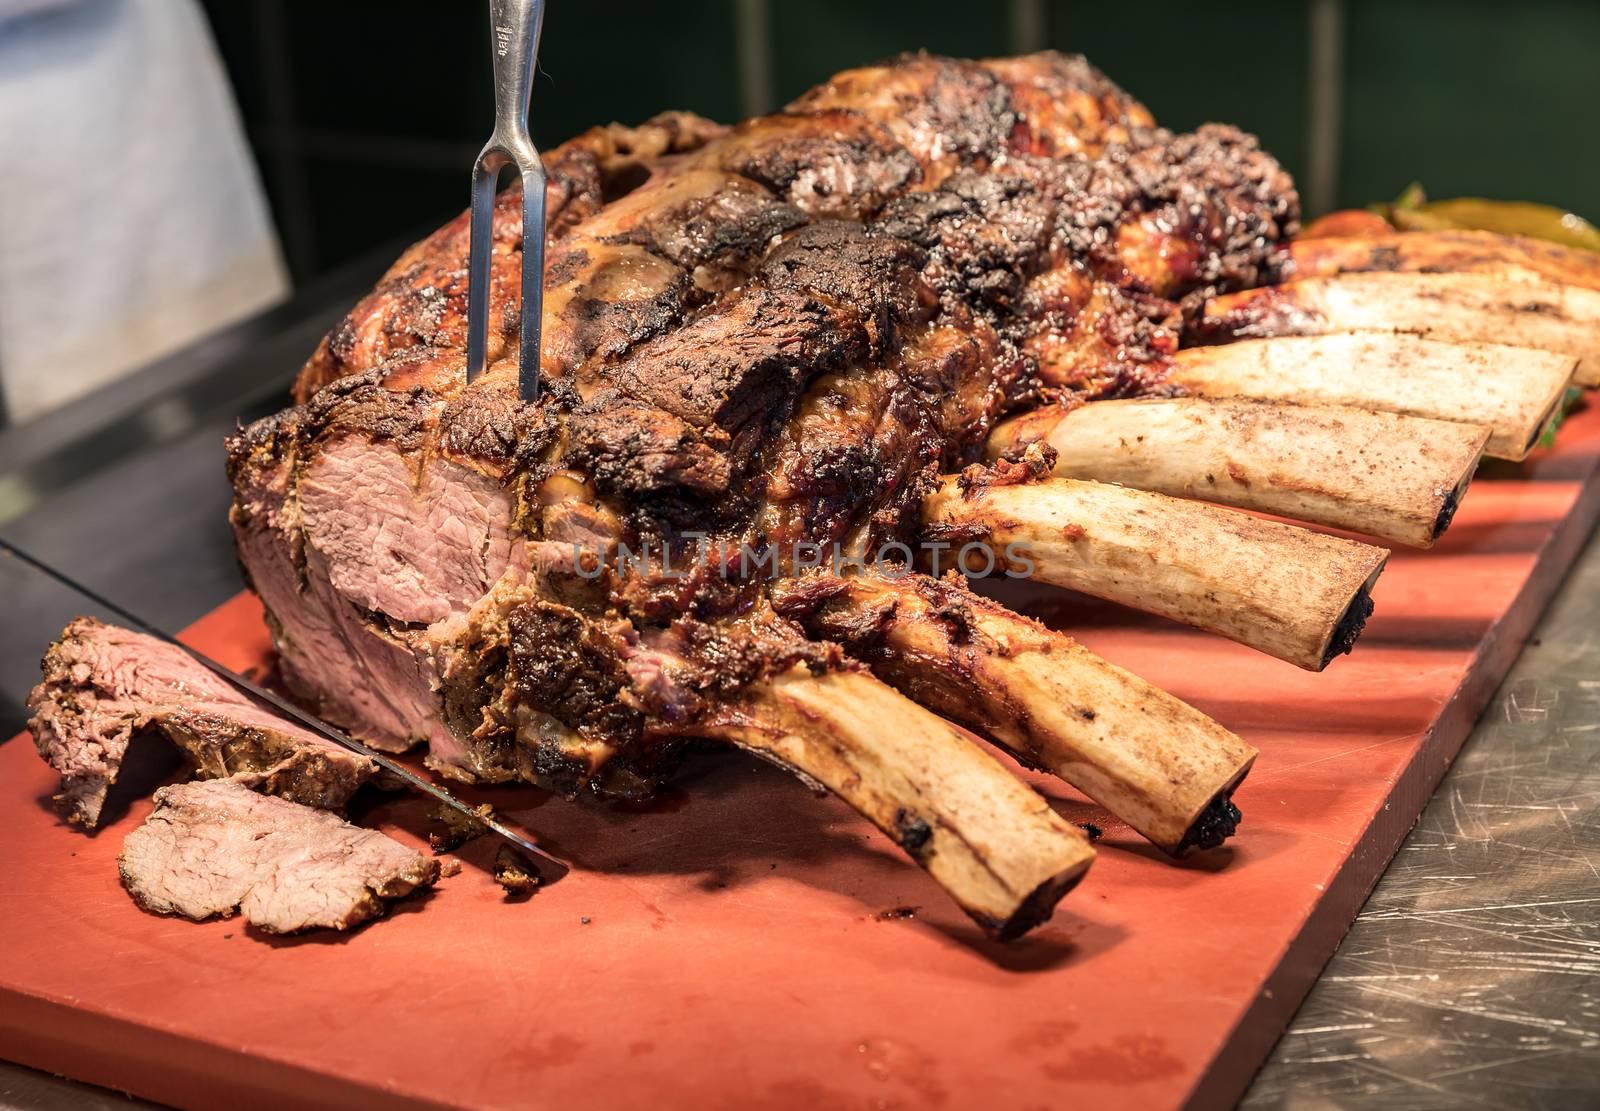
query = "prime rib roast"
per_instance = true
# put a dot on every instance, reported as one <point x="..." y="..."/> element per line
<point x="775" y="341"/>
<point x="789" y="367"/>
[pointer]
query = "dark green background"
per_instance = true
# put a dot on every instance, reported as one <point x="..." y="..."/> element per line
<point x="365" y="115"/>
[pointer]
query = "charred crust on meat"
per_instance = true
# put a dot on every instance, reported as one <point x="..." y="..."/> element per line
<point x="606" y="326"/>
<point x="810" y="601"/>
<point x="1034" y="465"/>
<point x="421" y="301"/>
<point x="363" y="405"/>
<point x="498" y="430"/>
<point x="718" y="660"/>
<point x="685" y="413"/>
<point x="563" y="664"/>
<point x="872" y="277"/>
<point x="455" y="829"/>
<point x="843" y="165"/>
<point x="970" y="107"/>
<point x="985" y="234"/>
<point x="515" y="874"/>
<point x="730" y="228"/>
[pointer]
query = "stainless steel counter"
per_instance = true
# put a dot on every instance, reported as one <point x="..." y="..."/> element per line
<point x="1471" y="978"/>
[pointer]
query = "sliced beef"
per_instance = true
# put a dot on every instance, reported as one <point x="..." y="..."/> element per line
<point x="103" y="684"/>
<point x="215" y="848"/>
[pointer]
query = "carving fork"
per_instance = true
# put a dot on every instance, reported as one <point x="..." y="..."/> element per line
<point x="515" y="25"/>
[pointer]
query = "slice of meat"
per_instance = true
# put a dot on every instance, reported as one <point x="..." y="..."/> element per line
<point x="103" y="684"/>
<point x="216" y="847"/>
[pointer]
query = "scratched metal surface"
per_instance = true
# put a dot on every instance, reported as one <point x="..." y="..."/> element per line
<point x="1472" y="976"/>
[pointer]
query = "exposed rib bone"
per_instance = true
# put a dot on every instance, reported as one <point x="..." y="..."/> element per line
<point x="1474" y="308"/>
<point x="1155" y="762"/>
<point x="1397" y="478"/>
<point x="1466" y="252"/>
<point x="1515" y="391"/>
<point x="988" y="839"/>
<point x="1289" y="592"/>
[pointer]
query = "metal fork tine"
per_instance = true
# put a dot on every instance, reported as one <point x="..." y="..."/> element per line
<point x="485" y="174"/>
<point x="533" y="200"/>
<point x="515" y="26"/>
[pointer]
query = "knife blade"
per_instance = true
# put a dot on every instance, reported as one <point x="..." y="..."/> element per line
<point x="551" y="868"/>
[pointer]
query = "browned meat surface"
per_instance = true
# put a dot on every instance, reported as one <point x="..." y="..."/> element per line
<point x="775" y="341"/>
<point x="422" y="301"/>
<point x="103" y="684"/>
<point x="841" y="151"/>
<point x="1159" y="227"/>
<point x="218" y="848"/>
<point x="767" y="345"/>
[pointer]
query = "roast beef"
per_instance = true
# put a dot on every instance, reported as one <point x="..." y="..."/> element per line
<point x="775" y="341"/>
<point x="103" y="684"/>
<point x="770" y="346"/>
<point x="216" y="847"/>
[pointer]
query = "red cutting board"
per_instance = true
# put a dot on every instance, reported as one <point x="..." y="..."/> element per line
<point x="728" y="949"/>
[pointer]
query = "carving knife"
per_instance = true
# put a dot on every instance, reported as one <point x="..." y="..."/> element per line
<point x="550" y="868"/>
<point x="514" y="26"/>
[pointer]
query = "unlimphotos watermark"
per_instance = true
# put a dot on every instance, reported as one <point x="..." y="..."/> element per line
<point x="975" y="559"/>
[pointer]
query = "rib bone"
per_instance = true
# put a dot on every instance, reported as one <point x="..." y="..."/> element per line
<point x="1155" y="762"/>
<point x="1397" y="478"/>
<point x="1465" y="252"/>
<point x="988" y="839"/>
<point x="1286" y="591"/>
<point x="1515" y="391"/>
<point x="1474" y="308"/>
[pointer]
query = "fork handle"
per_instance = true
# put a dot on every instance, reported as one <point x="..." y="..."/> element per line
<point x="515" y="25"/>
